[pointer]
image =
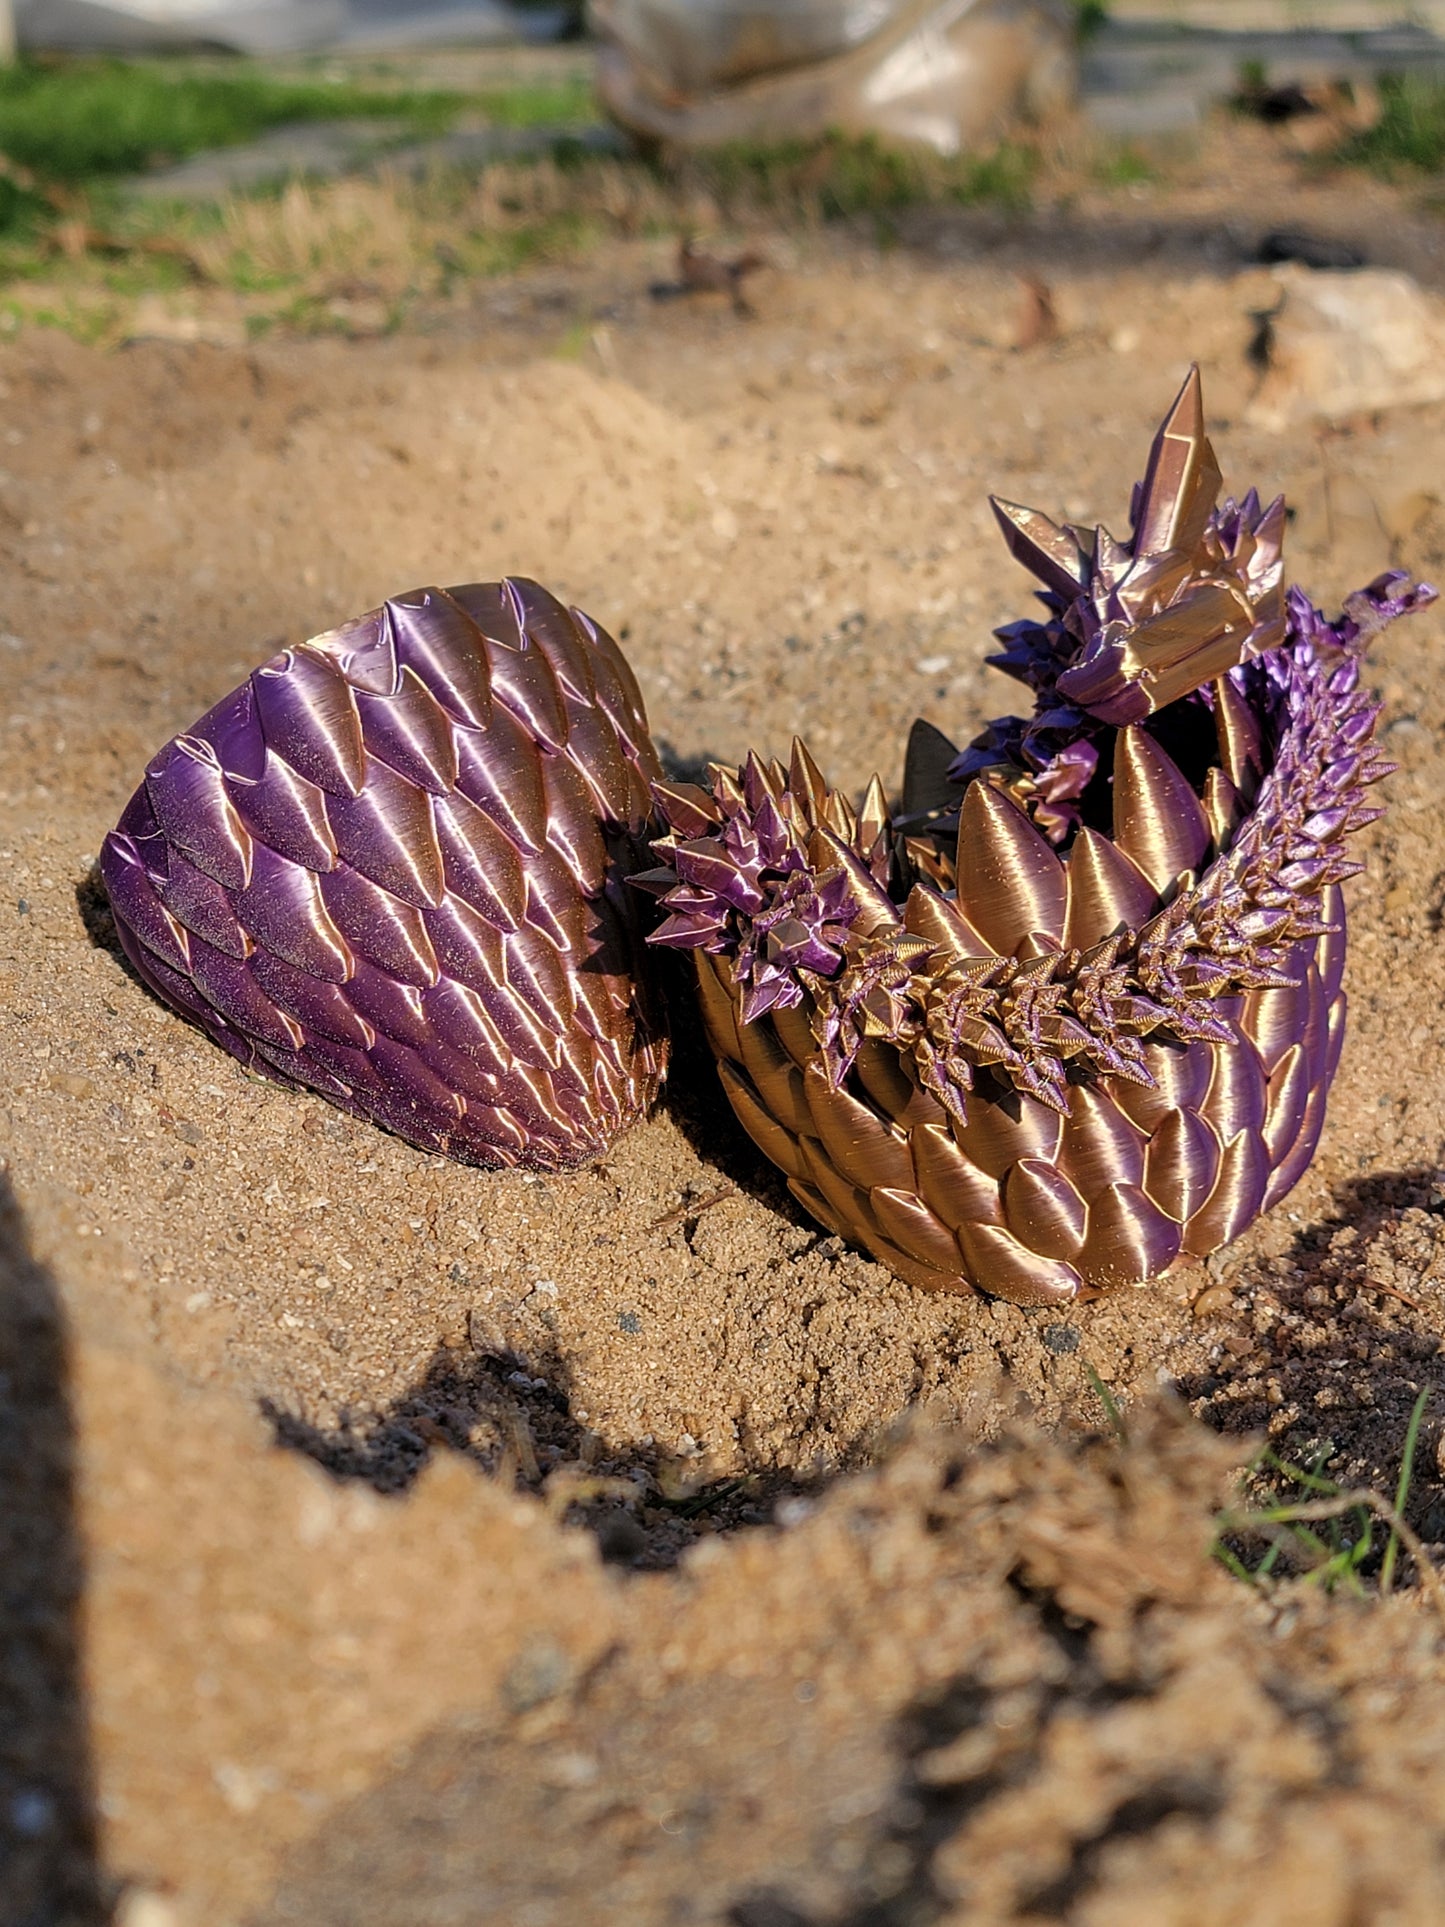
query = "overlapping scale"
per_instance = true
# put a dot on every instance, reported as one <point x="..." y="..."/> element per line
<point x="389" y="867"/>
<point x="1158" y="820"/>
<point x="1009" y="881"/>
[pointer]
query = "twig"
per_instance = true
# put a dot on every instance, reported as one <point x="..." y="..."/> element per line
<point x="693" y="1207"/>
<point x="1393" y="1291"/>
<point x="700" y="273"/>
<point x="703" y="1501"/>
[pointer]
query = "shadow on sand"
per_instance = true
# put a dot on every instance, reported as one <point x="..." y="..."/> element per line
<point x="1342" y="1335"/>
<point x="49" y="1875"/>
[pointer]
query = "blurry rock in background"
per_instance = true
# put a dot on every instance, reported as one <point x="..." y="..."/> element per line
<point x="944" y="74"/>
<point x="1314" y="117"/>
<point x="1347" y="344"/>
<point x="1308" y="68"/>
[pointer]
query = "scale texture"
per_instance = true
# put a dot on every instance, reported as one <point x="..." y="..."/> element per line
<point x="391" y="867"/>
<point x="1075" y="1007"/>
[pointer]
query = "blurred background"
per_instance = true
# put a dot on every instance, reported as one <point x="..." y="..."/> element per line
<point x="271" y="159"/>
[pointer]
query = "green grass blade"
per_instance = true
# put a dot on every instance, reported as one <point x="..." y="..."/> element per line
<point x="1311" y="1480"/>
<point x="1232" y="1563"/>
<point x="1402" y="1488"/>
<point x="1109" y="1402"/>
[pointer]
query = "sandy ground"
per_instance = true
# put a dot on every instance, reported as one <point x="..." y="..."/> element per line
<point x="384" y="1542"/>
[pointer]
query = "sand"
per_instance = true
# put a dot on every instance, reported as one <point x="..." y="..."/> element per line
<point x="389" y="1542"/>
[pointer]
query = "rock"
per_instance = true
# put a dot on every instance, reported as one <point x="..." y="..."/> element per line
<point x="1343" y="344"/>
<point x="1310" y="250"/>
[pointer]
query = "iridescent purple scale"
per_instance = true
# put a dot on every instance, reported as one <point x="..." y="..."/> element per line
<point x="413" y="1099"/>
<point x="597" y="1009"/>
<point x="524" y="681"/>
<point x="530" y="1041"/>
<point x="555" y="631"/>
<point x="288" y="1067"/>
<point x="594" y="751"/>
<point x="495" y="608"/>
<point x="411" y="733"/>
<point x="229" y="987"/>
<point x="356" y="1068"/>
<point x="138" y="824"/>
<point x="233" y="731"/>
<point x="379" y="926"/>
<point x="319" y="1006"/>
<point x="528" y="1094"/>
<point x="193" y="811"/>
<point x="479" y="862"/>
<point x="180" y="989"/>
<point x="308" y="713"/>
<point x="1181" y="1164"/>
<point x="537" y="972"/>
<point x="468" y="946"/>
<point x="281" y="809"/>
<point x="500" y="772"/>
<point x="282" y="909"/>
<point x="198" y="901"/>
<point x="477" y="1087"/>
<point x="138" y="909"/>
<point x="1289" y="1094"/>
<point x="387" y="832"/>
<point x="541" y="917"/>
<point x="365" y="653"/>
<point x="459" y="1017"/>
<point x="572" y="826"/>
<point x="438" y="641"/>
<point x="610" y="657"/>
<point x="394" y="1009"/>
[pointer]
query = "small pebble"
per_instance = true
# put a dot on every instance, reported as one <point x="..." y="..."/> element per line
<point x="73" y="1083"/>
<point x="144" y="1908"/>
<point x="1215" y="1301"/>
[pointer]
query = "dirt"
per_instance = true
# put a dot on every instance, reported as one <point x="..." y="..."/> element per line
<point x="388" y="1542"/>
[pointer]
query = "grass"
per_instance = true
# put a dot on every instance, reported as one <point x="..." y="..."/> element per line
<point x="1110" y="1404"/>
<point x="1124" y="166"/>
<point x="360" y="252"/>
<point x="1280" y="1526"/>
<point x="79" y="121"/>
<point x="71" y="130"/>
<point x="79" y="251"/>
<point x="840" y="176"/>
<point x="1402" y="1491"/>
<point x="564" y="103"/>
<point x="1410" y="133"/>
<point x="1283" y="1523"/>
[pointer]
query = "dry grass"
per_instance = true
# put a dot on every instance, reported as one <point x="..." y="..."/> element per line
<point x="360" y="252"/>
<point x="376" y="245"/>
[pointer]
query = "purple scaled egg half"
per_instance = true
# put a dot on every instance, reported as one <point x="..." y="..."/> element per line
<point x="390" y="867"/>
